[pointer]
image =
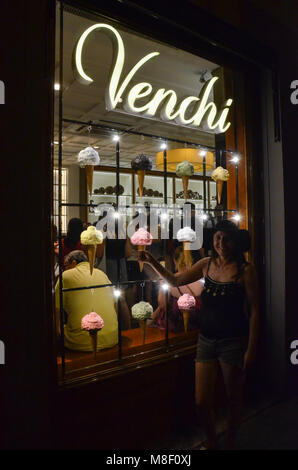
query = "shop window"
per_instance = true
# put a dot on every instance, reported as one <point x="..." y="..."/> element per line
<point x="122" y="116"/>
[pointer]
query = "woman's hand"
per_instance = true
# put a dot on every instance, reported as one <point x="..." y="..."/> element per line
<point x="145" y="256"/>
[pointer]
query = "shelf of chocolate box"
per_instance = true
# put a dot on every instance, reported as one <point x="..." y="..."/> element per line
<point x="108" y="191"/>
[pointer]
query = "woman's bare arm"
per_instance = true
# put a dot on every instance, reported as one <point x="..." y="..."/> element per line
<point x="187" y="277"/>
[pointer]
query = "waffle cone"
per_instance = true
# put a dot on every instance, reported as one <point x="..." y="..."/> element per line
<point x="91" y="256"/>
<point x="219" y="187"/>
<point x="143" y="328"/>
<point x="93" y="336"/>
<point x="89" y="169"/>
<point x="187" y="254"/>
<point x="185" y="319"/>
<point x="185" y="185"/>
<point x="141" y="177"/>
<point x="141" y="264"/>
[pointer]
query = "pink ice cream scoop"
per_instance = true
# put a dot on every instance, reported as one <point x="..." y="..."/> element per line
<point x="186" y="301"/>
<point x="92" y="322"/>
<point x="141" y="237"/>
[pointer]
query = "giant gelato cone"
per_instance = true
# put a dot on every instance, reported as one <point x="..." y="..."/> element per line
<point x="93" y="336"/>
<point x="91" y="256"/>
<point x="185" y="186"/>
<point x="141" y="312"/>
<point x="91" y="237"/>
<point x="141" y="238"/>
<point x="89" y="169"/>
<point x="220" y="175"/>
<point x="141" y="177"/>
<point x="141" y="264"/>
<point x="186" y="314"/>
<point x="143" y="327"/>
<point x="92" y="323"/>
<point x="187" y="254"/>
<point x="185" y="303"/>
<point x="219" y="187"/>
<point x="89" y="158"/>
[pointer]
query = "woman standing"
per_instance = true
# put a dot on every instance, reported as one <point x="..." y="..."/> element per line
<point x="229" y="322"/>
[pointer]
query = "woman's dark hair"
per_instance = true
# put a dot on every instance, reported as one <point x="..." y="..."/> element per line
<point x="240" y="238"/>
<point x="74" y="230"/>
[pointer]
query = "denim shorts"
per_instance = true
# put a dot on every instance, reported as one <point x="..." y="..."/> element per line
<point x="228" y="350"/>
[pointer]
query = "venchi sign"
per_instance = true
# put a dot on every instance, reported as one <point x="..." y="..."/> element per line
<point x="191" y="111"/>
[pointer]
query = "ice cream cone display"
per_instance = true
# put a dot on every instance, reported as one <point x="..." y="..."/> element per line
<point x="219" y="187"/>
<point x="185" y="170"/>
<point x="143" y="328"/>
<point x="141" y="312"/>
<point x="141" y="164"/>
<point x="220" y="175"/>
<point x="185" y="180"/>
<point x="91" y="256"/>
<point x="89" y="158"/>
<point x="141" y="177"/>
<point x="141" y="248"/>
<point x="91" y="237"/>
<point x="185" y="303"/>
<point x="92" y="323"/>
<point x="141" y="238"/>
<point x="186" y="235"/>
<point x="89" y="170"/>
<point x="186" y="314"/>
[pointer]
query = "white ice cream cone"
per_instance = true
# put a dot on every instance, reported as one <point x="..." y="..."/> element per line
<point x="143" y="328"/>
<point x="187" y="254"/>
<point x="89" y="169"/>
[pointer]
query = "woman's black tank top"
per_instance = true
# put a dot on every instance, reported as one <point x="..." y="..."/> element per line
<point x="223" y="309"/>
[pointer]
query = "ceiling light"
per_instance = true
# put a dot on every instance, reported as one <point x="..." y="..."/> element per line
<point x="203" y="153"/>
<point x="163" y="146"/>
<point x="165" y="287"/>
<point x="237" y="217"/>
<point x="57" y="86"/>
<point x="116" y="138"/>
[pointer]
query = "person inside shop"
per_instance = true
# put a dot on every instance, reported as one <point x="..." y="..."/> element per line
<point x="175" y="317"/>
<point x="229" y="322"/>
<point x="72" y="241"/>
<point x="114" y="253"/>
<point x="78" y="303"/>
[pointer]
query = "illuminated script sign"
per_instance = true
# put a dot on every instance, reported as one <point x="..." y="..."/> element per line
<point x="121" y="96"/>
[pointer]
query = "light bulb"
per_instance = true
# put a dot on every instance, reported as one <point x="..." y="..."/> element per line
<point x="165" y="287"/>
<point x="57" y="86"/>
<point x="203" y="153"/>
<point x="204" y="216"/>
<point x="116" y="215"/>
<point x="237" y="217"/>
<point x="163" y="146"/>
<point x="117" y="293"/>
<point x="116" y="138"/>
<point x="164" y="216"/>
<point x="235" y="159"/>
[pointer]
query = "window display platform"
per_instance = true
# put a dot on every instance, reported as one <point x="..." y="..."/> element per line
<point x="133" y="350"/>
